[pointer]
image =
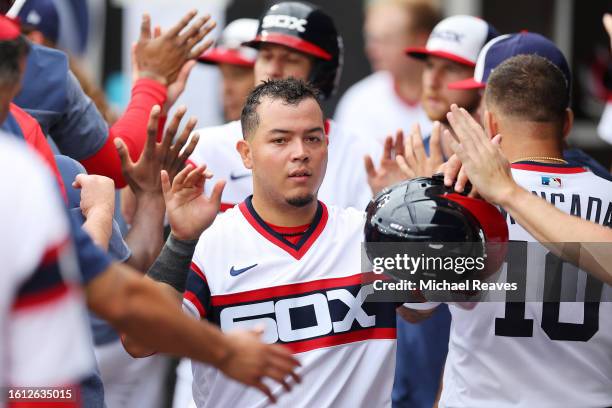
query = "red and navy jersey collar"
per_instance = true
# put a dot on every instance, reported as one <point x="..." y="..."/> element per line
<point x="557" y="168"/>
<point x="296" y="250"/>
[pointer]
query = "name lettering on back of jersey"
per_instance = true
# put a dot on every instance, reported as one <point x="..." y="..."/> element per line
<point x="552" y="181"/>
<point x="236" y="272"/>
<point x="282" y="21"/>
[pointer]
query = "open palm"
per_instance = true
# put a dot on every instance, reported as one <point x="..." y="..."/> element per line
<point x="189" y="211"/>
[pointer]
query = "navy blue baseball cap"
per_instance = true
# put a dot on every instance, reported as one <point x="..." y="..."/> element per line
<point x="507" y="46"/>
<point x="43" y="16"/>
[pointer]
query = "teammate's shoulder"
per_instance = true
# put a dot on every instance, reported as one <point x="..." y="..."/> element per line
<point x="340" y="214"/>
<point x="372" y="82"/>
<point x="223" y="224"/>
<point x="16" y="158"/>
<point x="46" y="56"/>
<point x="339" y="134"/>
<point x="230" y="132"/>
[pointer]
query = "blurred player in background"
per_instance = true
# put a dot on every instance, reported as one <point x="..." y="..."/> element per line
<point x="390" y="98"/>
<point x="235" y="62"/>
<point x="41" y="22"/>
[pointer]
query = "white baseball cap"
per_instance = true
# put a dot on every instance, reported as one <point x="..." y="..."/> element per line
<point x="457" y="38"/>
<point x="229" y="48"/>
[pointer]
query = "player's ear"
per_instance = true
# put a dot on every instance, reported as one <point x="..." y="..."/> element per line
<point x="490" y="123"/>
<point x="244" y="149"/>
<point x="568" y="122"/>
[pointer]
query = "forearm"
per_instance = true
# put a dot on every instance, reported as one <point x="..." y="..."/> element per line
<point x="172" y="265"/>
<point x="152" y="317"/>
<point x="131" y="128"/>
<point x="146" y="235"/>
<point x="99" y="226"/>
<point x="555" y="229"/>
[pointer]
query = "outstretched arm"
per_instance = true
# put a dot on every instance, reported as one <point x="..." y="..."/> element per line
<point x="163" y="63"/>
<point x="489" y="172"/>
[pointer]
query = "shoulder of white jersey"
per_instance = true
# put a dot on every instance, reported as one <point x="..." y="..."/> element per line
<point x="215" y="137"/>
<point x="364" y="87"/>
<point x="221" y="227"/>
<point x="553" y="176"/>
<point x="341" y="134"/>
<point x="346" y="218"/>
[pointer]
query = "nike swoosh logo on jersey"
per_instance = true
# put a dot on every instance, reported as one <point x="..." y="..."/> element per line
<point x="236" y="272"/>
<point x="235" y="177"/>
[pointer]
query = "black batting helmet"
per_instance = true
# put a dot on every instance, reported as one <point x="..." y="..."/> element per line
<point x="306" y="28"/>
<point x="424" y="210"/>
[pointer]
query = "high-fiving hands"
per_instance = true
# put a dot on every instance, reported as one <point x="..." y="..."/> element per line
<point x="161" y="56"/>
<point x="143" y="175"/>
<point x="415" y="162"/>
<point x="478" y="159"/>
<point x="189" y="211"/>
<point x="408" y="159"/>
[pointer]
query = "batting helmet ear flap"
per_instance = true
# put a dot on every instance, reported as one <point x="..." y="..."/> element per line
<point x="305" y="28"/>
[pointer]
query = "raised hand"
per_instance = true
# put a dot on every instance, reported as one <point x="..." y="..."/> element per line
<point x="388" y="172"/>
<point x="97" y="206"/>
<point x="161" y="57"/>
<point x="189" y="211"/>
<point x="415" y="162"/>
<point x="483" y="162"/>
<point x="97" y="194"/>
<point x="250" y="361"/>
<point x="143" y="176"/>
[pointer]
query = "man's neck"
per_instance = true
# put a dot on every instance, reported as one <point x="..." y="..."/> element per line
<point x="532" y="142"/>
<point x="283" y="214"/>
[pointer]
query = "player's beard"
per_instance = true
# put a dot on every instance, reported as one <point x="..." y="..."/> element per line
<point x="471" y="106"/>
<point x="300" y="201"/>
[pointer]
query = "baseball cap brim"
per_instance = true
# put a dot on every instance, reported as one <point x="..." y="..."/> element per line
<point x="223" y="55"/>
<point x="422" y="53"/>
<point x="469" y="83"/>
<point x="291" y="42"/>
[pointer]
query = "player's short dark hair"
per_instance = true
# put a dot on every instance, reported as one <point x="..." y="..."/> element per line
<point x="290" y="91"/>
<point x="528" y="87"/>
<point x="11" y="52"/>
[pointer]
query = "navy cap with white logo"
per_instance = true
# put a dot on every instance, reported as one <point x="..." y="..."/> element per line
<point x="507" y="46"/>
<point x="457" y="38"/>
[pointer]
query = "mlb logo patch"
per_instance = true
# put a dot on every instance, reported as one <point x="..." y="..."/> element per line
<point x="551" y="181"/>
